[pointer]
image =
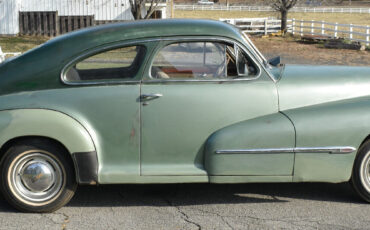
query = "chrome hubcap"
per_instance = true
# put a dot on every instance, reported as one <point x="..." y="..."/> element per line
<point x="365" y="172"/>
<point x="36" y="177"/>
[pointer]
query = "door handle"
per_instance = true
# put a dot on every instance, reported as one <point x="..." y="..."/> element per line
<point x="150" y="96"/>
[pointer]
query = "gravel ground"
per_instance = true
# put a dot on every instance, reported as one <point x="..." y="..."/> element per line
<point x="293" y="52"/>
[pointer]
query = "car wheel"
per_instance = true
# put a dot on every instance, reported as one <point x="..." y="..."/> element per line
<point x="361" y="172"/>
<point x="37" y="176"/>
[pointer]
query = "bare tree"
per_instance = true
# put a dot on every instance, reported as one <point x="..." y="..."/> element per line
<point x="139" y="10"/>
<point x="283" y="6"/>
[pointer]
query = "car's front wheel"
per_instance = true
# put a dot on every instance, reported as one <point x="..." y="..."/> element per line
<point x="361" y="172"/>
<point x="37" y="176"/>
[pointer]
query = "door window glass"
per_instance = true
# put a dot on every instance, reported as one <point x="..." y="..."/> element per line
<point x="200" y="60"/>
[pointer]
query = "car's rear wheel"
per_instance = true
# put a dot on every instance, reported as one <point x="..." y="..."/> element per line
<point x="37" y="176"/>
<point x="361" y="172"/>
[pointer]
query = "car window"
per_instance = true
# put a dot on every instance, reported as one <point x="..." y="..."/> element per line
<point x="119" y="63"/>
<point x="199" y="60"/>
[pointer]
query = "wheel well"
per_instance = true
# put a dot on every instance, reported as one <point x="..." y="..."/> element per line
<point x="27" y="139"/>
<point x="365" y="140"/>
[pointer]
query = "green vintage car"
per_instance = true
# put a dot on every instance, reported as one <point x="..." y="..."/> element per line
<point x="174" y="101"/>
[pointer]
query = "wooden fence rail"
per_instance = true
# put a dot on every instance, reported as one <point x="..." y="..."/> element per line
<point x="328" y="29"/>
<point x="256" y="25"/>
<point x="38" y="23"/>
<point x="48" y="23"/>
<point x="301" y="27"/>
<point x="269" y="9"/>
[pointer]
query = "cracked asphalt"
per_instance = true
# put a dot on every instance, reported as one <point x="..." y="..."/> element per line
<point x="202" y="206"/>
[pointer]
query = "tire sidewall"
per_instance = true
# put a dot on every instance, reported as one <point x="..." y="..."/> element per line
<point x="61" y="198"/>
<point x="357" y="177"/>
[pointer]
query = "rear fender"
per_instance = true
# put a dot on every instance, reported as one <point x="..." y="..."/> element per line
<point x="54" y="125"/>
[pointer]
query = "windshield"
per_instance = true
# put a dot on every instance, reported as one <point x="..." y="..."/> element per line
<point x="261" y="58"/>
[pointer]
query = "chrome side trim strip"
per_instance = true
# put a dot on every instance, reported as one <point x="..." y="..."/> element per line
<point x="254" y="151"/>
<point x="330" y="150"/>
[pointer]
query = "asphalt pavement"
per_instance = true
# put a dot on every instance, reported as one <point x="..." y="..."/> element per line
<point x="202" y="206"/>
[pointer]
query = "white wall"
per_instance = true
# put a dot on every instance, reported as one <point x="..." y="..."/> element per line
<point x="102" y="9"/>
<point x="9" y="20"/>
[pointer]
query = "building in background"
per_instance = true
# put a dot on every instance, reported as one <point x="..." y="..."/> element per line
<point x="53" y="17"/>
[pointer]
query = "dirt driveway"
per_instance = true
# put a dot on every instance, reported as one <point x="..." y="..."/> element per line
<point x="293" y="52"/>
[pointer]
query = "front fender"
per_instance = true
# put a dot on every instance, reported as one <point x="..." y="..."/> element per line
<point x="55" y="125"/>
<point x="341" y="123"/>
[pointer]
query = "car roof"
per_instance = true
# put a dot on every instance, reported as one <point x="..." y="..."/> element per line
<point x="130" y="30"/>
<point x="39" y="66"/>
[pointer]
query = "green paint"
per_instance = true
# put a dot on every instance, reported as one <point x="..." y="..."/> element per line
<point x="173" y="139"/>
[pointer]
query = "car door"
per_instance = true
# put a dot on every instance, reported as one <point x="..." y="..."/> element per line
<point x="107" y="104"/>
<point x="193" y="90"/>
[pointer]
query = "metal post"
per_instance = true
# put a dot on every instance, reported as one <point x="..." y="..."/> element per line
<point x="336" y="30"/>
<point x="293" y="25"/>
<point x="350" y="31"/>
<point x="301" y="27"/>
<point x="265" y="26"/>
<point x="312" y="25"/>
<point x="322" y="27"/>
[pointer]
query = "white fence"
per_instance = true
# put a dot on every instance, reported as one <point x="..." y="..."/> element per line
<point x="301" y="27"/>
<point x="269" y="9"/>
<point x="256" y="25"/>
<point x="321" y="28"/>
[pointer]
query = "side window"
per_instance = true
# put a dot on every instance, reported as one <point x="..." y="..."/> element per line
<point x="201" y="60"/>
<point x="119" y="63"/>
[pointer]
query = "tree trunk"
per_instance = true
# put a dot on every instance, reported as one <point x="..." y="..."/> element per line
<point x="284" y="15"/>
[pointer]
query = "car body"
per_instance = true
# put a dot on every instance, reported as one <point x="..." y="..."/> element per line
<point x="194" y="102"/>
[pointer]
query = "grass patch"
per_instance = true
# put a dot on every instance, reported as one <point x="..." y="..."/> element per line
<point x="20" y="43"/>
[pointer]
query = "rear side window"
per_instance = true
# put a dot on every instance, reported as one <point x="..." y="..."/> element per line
<point x="119" y="63"/>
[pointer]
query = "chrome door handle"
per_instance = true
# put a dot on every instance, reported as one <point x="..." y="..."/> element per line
<point x="150" y="96"/>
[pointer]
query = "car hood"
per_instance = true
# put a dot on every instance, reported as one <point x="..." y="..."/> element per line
<point x="302" y="86"/>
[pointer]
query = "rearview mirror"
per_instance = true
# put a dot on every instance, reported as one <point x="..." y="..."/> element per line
<point x="274" y="61"/>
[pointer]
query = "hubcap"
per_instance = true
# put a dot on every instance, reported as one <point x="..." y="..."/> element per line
<point x="365" y="172"/>
<point x="36" y="177"/>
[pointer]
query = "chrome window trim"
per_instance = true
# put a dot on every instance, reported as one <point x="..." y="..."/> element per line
<point x="259" y="64"/>
<point x="204" y="39"/>
<point x="330" y="150"/>
<point x="185" y="38"/>
<point x="95" y="51"/>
